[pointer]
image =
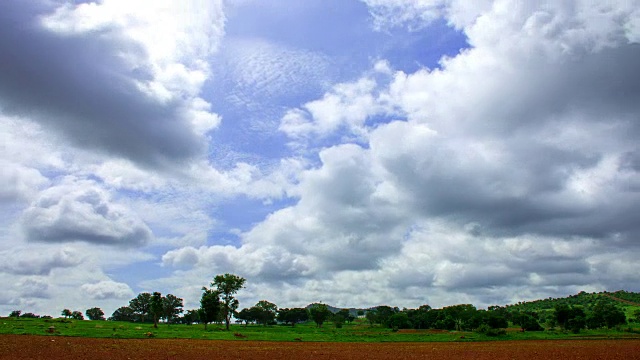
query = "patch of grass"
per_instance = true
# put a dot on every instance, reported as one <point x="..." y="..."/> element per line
<point x="354" y="332"/>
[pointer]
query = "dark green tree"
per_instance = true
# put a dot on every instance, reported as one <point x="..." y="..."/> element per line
<point x="527" y="322"/>
<point x="156" y="308"/>
<point x="607" y="314"/>
<point x="267" y="312"/>
<point x="248" y="315"/>
<point x="15" y="313"/>
<point x="319" y="313"/>
<point x="30" y="315"/>
<point x="562" y="314"/>
<point x="66" y="313"/>
<point x="171" y="307"/>
<point x="210" y="306"/>
<point x="227" y="286"/>
<point x="462" y="315"/>
<point x="123" y="313"/>
<point x="95" y="313"/>
<point x="77" y="315"/>
<point x="141" y="305"/>
<point x="384" y="313"/>
<point x="293" y="316"/>
<point x="371" y="316"/>
<point x="190" y="317"/>
<point x="399" y="321"/>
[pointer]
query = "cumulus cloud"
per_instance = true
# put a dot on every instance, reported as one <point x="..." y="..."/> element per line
<point x="106" y="82"/>
<point x="510" y="173"/>
<point x="29" y="262"/>
<point x="33" y="288"/>
<point x="82" y="211"/>
<point x="19" y="182"/>
<point x="107" y="289"/>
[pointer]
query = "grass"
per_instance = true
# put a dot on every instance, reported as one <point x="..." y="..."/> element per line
<point x="357" y="332"/>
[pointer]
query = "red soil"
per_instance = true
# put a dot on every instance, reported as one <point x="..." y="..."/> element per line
<point x="69" y="348"/>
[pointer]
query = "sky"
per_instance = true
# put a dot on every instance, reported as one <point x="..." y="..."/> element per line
<point x="351" y="152"/>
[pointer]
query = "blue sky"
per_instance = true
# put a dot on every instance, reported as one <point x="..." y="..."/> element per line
<point x="358" y="152"/>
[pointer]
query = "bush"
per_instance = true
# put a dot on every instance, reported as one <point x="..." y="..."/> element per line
<point x="489" y="331"/>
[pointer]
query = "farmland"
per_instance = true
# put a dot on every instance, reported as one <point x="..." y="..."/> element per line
<point x="70" y="348"/>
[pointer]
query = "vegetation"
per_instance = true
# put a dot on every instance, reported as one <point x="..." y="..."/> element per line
<point x="358" y="331"/>
<point x="581" y="314"/>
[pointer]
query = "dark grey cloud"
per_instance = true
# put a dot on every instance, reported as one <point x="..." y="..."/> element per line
<point x="80" y="85"/>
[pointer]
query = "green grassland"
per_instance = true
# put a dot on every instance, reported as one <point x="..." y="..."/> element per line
<point x="355" y="332"/>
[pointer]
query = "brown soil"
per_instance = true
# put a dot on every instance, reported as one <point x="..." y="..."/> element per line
<point x="68" y="348"/>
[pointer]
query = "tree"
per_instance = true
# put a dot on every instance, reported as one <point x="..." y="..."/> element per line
<point x="527" y="322"/>
<point x="562" y="313"/>
<point x="30" y="315"/>
<point x="371" y="316"/>
<point x="190" y="317"/>
<point x="399" y="321"/>
<point x="293" y="316"/>
<point x="346" y="315"/>
<point x="15" y="313"/>
<point x="66" y="313"/>
<point x="77" y="315"/>
<point x="95" y="314"/>
<point x="156" y="308"/>
<point x="462" y="315"/>
<point x="141" y="305"/>
<point x="123" y="313"/>
<point x="172" y="307"/>
<point x="210" y="306"/>
<point x="319" y="313"/>
<point x="383" y="313"/>
<point x="266" y="312"/>
<point x="227" y="286"/>
<point x="248" y="315"/>
<point x="605" y="314"/>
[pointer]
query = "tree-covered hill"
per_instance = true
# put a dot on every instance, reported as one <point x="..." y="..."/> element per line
<point x="586" y="300"/>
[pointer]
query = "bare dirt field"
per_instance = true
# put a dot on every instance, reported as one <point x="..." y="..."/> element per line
<point x="69" y="348"/>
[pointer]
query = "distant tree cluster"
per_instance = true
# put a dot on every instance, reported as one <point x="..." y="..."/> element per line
<point x="218" y="304"/>
<point x="150" y="307"/>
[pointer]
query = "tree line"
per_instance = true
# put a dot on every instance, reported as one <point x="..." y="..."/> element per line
<point x="218" y="304"/>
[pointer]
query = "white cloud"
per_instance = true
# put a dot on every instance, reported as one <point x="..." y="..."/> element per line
<point x="79" y="210"/>
<point x="25" y="261"/>
<point x="511" y="175"/>
<point x="107" y="289"/>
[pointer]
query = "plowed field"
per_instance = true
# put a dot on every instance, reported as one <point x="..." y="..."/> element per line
<point x="68" y="348"/>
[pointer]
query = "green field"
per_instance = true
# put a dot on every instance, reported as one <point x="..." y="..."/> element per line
<point x="356" y="332"/>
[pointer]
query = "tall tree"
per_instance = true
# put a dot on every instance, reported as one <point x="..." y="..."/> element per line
<point x="210" y="306"/>
<point x="95" y="313"/>
<point x="227" y="286"/>
<point x="156" y="308"/>
<point x="15" y="313"/>
<point x="267" y="312"/>
<point x="141" y="305"/>
<point x="172" y="307"/>
<point x="319" y="313"/>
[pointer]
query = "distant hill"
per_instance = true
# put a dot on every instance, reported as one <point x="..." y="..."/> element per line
<point x="584" y="299"/>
